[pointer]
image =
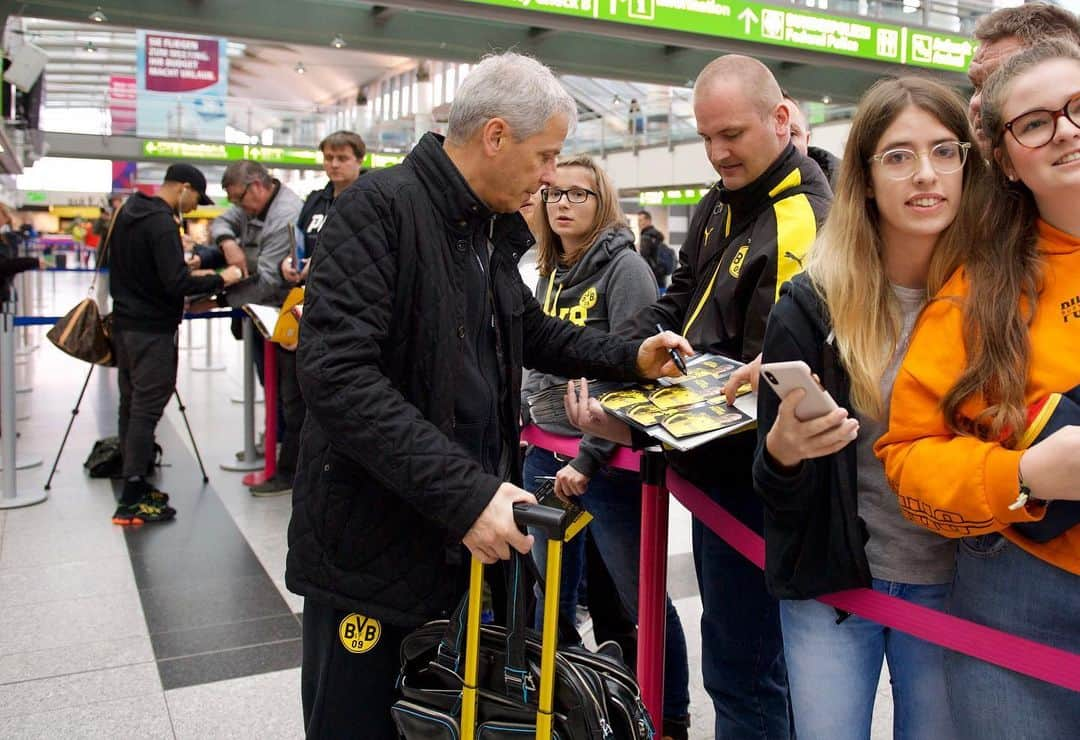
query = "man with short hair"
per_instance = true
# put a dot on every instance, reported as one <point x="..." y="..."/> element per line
<point x="800" y="138"/>
<point x="652" y="241"/>
<point x="343" y="156"/>
<point x="1002" y="34"/>
<point x="148" y="283"/>
<point x="257" y="234"/>
<point x="748" y="236"/>
<point x="415" y="330"/>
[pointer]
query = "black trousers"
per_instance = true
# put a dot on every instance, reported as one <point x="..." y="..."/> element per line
<point x="348" y="693"/>
<point x="147" y="379"/>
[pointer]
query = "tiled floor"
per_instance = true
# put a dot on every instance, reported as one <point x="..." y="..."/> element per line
<point x="183" y="630"/>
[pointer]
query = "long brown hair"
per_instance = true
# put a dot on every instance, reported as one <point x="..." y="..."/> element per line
<point x="1004" y="271"/>
<point x="608" y="215"/>
<point x="845" y="263"/>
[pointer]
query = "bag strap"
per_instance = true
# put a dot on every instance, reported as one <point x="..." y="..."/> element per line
<point x="103" y="252"/>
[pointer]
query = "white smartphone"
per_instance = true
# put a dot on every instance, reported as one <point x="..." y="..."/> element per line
<point x="784" y="377"/>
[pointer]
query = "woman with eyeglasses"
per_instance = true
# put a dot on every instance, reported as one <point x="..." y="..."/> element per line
<point x="590" y="275"/>
<point x="983" y="441"/>
<point x="906" y="198"/>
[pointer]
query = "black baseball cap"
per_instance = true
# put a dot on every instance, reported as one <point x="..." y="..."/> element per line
<point x="185" y="173"/>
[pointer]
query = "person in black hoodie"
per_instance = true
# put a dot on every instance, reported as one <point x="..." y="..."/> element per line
<point x="148" y="280"/>
<point x="748" y="236"/>
<point x="800" y="137"/>
<point x="908" y="200"/>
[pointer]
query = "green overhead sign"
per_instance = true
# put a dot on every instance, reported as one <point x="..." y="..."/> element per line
<point x="766" y="24"/>
<point x="671" y="197"/>
<point x="231" y="152"/>
<point x="270" y="155"/>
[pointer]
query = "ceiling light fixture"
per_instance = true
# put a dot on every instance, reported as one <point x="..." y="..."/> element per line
<point x="90" y="48"/>
<point x="300" y="68"/>
<point x="338" y="42"/>
<point x="97" y="16"/>
<point x="826" y="99"/>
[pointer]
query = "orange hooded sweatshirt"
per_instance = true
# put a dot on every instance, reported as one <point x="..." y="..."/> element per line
<point x="957" y="485"/>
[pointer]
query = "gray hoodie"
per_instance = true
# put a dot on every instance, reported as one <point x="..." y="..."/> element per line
<point x="607" y="286"/>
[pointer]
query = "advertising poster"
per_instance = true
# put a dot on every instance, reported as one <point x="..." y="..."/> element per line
<point x="122" y="105"/>
<point x="182" y="83"/>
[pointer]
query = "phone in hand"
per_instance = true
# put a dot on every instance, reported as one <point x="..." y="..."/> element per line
<point x="784" y="377"/>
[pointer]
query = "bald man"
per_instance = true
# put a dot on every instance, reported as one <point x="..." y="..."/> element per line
<point x="800" y="138"/>
<point x="748" y="235"/>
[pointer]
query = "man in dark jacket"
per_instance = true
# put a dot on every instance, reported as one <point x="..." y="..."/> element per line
<point x="748" y="236"/>
<point x="415" y="330"/>
<point x="148" y="281"/>
<point x="651" y="244"/>
<point x="800" y="138"/>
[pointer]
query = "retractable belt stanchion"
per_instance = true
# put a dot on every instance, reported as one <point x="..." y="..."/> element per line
<point x="208" y="365"/>
<point x="10" y="498"/>
<point x="270" y="394"/>
<point x="652" y="582"/>
<point x="248" y="459"/>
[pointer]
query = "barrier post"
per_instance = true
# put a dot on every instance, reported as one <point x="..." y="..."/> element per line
<point x="208" y="365"/>
<point x="270" y="382"/>
<point x="652" y="582"/>
<point x="248" y="459"/>
<point x="10" y="498"/>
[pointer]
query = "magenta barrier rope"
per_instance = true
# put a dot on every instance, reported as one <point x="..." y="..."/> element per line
<point x="1053" y="665"/>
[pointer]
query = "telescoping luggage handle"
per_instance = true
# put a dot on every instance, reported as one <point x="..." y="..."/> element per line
<point x="557" y="525"/>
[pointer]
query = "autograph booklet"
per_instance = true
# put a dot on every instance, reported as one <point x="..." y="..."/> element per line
<point x="687" y="411"/>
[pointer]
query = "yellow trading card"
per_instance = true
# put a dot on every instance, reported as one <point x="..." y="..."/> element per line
<point x="621" y="399"/>
<point x="674" y="397"/>
<point x="700" y="420"/>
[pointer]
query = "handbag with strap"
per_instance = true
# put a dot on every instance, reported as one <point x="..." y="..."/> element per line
<point x="83" y="332"/>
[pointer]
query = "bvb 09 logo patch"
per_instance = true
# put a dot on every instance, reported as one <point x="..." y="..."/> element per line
<point x="588" y="299"/>
<point x="358" y="633"/>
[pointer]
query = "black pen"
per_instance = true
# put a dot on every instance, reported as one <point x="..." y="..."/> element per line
<point x="675" y="356"/>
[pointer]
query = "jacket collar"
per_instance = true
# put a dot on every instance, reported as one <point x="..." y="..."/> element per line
<point x="763" y="190"/>
<point x="458" y="204"/>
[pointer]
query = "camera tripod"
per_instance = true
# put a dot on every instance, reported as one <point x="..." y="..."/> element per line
<point x="75" y="412"/>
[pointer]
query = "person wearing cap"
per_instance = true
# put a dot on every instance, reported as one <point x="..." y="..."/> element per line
<point x="148" y="283"/>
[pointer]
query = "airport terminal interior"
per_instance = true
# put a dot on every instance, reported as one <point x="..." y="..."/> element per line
<point x="186" y="629"/>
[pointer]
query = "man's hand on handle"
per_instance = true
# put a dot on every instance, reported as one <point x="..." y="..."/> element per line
<point x="494" y="532"/>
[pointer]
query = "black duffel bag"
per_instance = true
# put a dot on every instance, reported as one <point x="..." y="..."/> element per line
<point x="596" y="695"/>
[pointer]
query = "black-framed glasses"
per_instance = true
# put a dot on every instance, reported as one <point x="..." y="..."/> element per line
<point x="1036" y="128"/>
<point x="946" y="158"/>
<point x="573" y="195"/>
<point x="236" y="201"/>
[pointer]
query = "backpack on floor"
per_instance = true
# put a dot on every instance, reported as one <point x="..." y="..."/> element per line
<point x="106" y="459"/>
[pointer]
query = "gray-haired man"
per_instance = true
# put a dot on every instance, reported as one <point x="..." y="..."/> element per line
<point x="416" y="326"/>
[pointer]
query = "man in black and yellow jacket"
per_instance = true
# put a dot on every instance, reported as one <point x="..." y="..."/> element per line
<point x="748" y="236"/>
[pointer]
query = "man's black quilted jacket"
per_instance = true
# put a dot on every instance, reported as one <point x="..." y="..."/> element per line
<point x="382" y="495"/>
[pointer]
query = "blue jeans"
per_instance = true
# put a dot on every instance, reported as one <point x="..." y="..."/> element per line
<point x="833" y="670"/>
<point x="614" y="499"/>
<point x="742" y="653"/>
<point x="1000" y="585"/>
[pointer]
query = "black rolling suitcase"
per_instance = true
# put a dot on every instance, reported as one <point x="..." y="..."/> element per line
<point x="461" y="680"/>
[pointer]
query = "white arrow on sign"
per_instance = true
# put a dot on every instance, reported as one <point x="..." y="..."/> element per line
<point x="748" y="18"/>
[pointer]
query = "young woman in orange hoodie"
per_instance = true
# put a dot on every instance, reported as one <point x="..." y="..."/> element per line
<point x="984" y="431"/>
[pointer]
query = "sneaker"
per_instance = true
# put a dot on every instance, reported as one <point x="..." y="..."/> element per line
<point x="158" y="498"/>
<point x="275" y="486"/>
<point x="145" y="511"/>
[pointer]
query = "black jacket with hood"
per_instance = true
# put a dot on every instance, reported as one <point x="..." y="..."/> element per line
<point x="607" y="286"/>
<point x="148" y="278"/>
<point x="814" y="538"/>
<point x="385" y="489"/>
<point x="741" y="247"/>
